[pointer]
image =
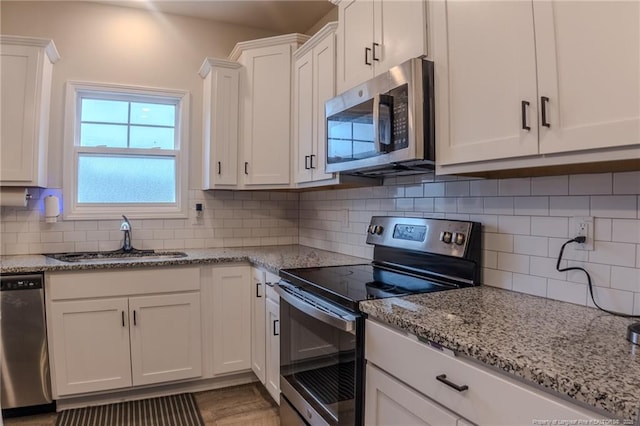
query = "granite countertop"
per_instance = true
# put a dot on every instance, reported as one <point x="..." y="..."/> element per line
<point x="577" y="351"/>
<point x="271" y="258"/>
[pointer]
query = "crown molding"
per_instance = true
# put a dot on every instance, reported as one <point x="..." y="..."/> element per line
<point x="209" y="63"/>
<point x="324" y="32"/>
<point x="47" y="44"/>
<point x="266" y="42"/>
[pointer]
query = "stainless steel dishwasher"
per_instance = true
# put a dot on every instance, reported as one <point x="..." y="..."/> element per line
<point x="25" y="380"/>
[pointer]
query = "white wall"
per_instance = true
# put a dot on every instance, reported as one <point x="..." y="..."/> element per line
<point x="525" y="221"/>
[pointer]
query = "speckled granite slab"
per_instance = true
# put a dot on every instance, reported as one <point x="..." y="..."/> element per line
<point x="578" y="351"/>
<point x="272" y="258"/>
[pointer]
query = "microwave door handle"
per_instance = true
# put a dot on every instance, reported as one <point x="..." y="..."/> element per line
<point x="376" y="122"/>
<point x="333" y="320"/>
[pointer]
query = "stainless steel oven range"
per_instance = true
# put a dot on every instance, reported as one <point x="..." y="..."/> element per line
<point x="322" y="329"/>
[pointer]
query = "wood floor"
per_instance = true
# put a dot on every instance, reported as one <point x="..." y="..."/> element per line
<point x="246" y="405"/>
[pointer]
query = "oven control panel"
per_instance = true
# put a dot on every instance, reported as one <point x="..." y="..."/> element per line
<point x="440" y="236"/>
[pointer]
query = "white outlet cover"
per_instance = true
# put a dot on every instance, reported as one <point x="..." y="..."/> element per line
<point x="574" y="231"/>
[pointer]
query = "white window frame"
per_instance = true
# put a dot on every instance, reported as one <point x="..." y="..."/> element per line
<point x="74" y="211"/>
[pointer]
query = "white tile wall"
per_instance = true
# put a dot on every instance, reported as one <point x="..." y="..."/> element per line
<point x="525" y="222"/>
<point x="230" y="219"/>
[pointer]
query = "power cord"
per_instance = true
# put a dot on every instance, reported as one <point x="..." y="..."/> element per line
<point x="580" y="240"/>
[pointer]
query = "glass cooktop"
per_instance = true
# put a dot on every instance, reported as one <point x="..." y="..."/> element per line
<point x="350" y="284"/>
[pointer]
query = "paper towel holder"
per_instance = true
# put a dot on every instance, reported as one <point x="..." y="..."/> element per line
<point x="51" y="209"/>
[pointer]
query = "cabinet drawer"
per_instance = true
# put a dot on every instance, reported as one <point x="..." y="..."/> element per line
<point x="491" y="398"/>
<point x="124" y="282"/>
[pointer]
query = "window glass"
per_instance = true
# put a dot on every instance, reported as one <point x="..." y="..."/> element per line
<point x="151" y="137"/>
<point x="153" y="114"/>
<point x="126" y="179"/>
<point x="111" y="135"/>
<point x="104" y="111"/>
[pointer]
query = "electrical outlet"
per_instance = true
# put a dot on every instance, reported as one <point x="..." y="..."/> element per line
<point x="583" y="227"/>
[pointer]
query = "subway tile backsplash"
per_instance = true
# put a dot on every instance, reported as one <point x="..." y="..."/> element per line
<point x="525" y="222"/>
<point x="230" y="219"/>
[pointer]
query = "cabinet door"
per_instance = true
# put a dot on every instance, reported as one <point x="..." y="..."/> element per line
<point x="20" y="115"/>
<point x="165" y="337"/>
<point x="485" y="68"/>
<point x="589" y="69"/>
<point x="303" y="107"/>
<point x="390" y="402"/>
<point x="355" y="36"/>
<point x="324" y="88"/>
<point x="273" y="349"/>
<point x="400" y="32"/>
<point x="221" y="92"/>
<point x="89" y="344"/>
<point x="258" y="318"/>
<point x="232" y="319"/>
<point x="267" y="104"/>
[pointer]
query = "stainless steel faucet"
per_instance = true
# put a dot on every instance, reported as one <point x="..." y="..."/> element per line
<point x="126" y="228"/>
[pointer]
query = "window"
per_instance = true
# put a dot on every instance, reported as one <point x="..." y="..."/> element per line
<point x="126" y="152"/>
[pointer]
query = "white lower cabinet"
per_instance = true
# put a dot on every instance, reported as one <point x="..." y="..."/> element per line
<point x="258" y="321"/>
<point x="273" y="344"/>
<point x="390" y="402"/>
<point x="90" y="345"/>
<point x="231" y="319"/>
<point x="265" y="331"/>
<point x="107" y="330"/>
<point x="418" y="377"/>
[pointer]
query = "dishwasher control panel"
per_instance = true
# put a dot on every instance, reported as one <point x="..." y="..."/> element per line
<point x="26" y="282"/>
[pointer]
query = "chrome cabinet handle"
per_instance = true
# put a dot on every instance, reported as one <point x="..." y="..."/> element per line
<point x="443" y="378"/>
<point x="543" y="105"/>
<point x="524" y="106"/>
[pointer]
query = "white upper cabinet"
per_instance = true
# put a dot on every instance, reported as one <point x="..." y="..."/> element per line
<point x="220" y="123"/>
<point x="313" y="85"/>
<point x="265" y="110"/>
<point x="515" y="80"/>
<point x="26" y="65"/>
<point x="588" y="56"/>
<point x="485" y="77"/>
<point x="375" y="35"/>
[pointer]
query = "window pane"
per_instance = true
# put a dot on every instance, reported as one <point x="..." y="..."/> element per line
<point x="152" y="137"/>
<point x="122" y="179"/>
<point x="155" y="114"/>
<point x="104" y="111"/>
<point x="111" y="135"/>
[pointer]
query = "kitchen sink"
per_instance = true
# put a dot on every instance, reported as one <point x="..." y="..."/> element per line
<point x="90" y="256"/>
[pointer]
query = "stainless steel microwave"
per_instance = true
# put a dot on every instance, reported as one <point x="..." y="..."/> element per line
<point x="384" y="126"/>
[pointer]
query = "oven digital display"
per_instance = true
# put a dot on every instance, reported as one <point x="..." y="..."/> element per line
<point x="409" y="232"/>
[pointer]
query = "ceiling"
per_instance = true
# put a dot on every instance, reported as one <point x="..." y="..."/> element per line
<point x="279" y="16"/>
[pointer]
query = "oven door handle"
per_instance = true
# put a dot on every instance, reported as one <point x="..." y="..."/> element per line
<point x="333" y="320"/>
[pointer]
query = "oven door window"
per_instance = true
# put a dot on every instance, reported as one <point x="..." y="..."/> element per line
<point x="319" y="362"/>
